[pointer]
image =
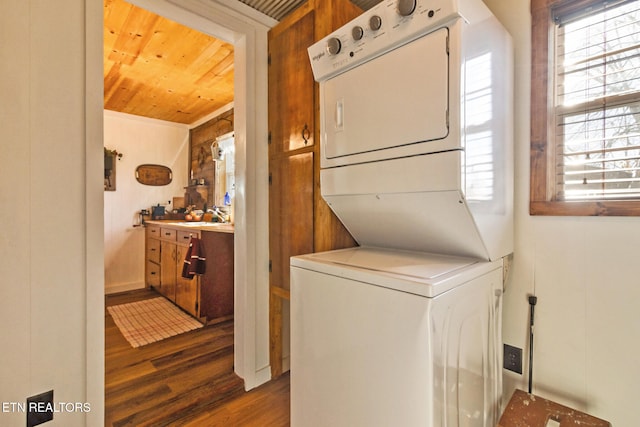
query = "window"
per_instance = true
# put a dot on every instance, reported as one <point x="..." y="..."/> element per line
<point x="585" y="107"/>
<point x="224" y="155"/>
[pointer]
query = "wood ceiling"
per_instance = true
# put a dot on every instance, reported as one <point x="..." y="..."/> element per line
<point x="157" y="68"/>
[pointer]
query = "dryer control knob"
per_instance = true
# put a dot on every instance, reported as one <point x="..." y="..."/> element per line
<point x="357" y="32"/>
<point x="406" y="7"/>
<point x="375" y="22"/>
<point x="334" y="46"/>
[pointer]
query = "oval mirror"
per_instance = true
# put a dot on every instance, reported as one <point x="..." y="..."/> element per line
<point x="153" y="175"/>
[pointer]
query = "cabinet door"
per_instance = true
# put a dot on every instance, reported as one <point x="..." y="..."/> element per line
<point x="291" y="97"/>
<point x="216" y="284"/>
<point x="168" y="270"/>
<point x="186" y="289"/>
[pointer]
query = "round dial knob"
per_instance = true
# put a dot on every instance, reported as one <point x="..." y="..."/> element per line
<point x="406" y="7"/>
<point x="334" y="45"/>
<point x="375" y="22"/>
<point x="357" y="32"/>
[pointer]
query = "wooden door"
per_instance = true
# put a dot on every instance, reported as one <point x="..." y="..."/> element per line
<point x="291" y="160"/>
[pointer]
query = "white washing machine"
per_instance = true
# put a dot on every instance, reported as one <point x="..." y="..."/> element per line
<point x="395" y="338"/>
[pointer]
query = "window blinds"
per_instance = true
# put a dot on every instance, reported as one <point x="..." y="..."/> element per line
<point x="597" y="102"/>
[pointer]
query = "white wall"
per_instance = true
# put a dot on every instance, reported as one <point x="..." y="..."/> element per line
<point x="48" y="257"/>
<point x="142" y="141"/>
<point x="585" y="272"/>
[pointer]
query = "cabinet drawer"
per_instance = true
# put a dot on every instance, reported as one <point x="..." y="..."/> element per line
<point x="153" y="250"/>
<point x="168" y="234"/>
<point x="184" y="237"/>
<point x="152" y="274"/>
<point x="152" y="231"/>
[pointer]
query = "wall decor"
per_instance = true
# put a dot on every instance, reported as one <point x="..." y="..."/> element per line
<point x="110" y="157"/>
<point x="154" y="174"/>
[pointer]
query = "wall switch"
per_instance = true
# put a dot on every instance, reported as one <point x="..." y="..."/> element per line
<point x="512" y="358"/>
<point x="40" y="408"/>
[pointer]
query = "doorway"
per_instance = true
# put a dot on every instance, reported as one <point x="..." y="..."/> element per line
<point x="248" y="33"/>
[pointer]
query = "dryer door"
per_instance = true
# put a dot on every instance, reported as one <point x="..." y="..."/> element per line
<point x="397" y="99"/>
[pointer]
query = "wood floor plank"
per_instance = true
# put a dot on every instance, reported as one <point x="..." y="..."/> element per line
<point x="267" y="405"/>
<point x="186" y="380"/>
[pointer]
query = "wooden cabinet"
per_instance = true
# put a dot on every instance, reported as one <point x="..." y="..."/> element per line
<point x="216" y="291"/>
<point x="208" y="297"/>
<point x="152" y="256"/>
<point x="165" y="249"/>
<point x="299" y="219"/>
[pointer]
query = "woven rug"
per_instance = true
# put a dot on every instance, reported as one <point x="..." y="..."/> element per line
<point x="152" y="320"/>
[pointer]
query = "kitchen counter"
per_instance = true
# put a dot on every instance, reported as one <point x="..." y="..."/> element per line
<point x="195" y="225"/>
<point x="208" y="296"/>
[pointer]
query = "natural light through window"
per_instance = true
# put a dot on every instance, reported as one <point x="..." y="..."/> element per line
<point x="478" y="140"/>
<point x="597" y="95"/>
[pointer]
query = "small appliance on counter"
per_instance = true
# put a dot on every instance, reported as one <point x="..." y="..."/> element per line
<point x="158" y="212"/>
<point x="143" y="216"/>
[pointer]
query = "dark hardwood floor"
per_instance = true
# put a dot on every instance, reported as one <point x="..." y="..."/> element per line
<point x="186" y="380"/>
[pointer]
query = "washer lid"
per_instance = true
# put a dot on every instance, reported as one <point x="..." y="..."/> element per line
<point x="415" y="272"/>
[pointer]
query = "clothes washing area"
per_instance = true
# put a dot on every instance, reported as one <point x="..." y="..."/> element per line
<point x="417" y="163"/>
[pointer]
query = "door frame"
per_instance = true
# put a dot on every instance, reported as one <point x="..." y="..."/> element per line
<point x="246" y="29"/>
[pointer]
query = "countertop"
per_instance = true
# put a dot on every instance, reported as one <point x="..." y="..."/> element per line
<point x="194" y="225"/>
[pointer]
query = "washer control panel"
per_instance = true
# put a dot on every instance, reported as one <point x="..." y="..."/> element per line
<point x="387" y="25"/>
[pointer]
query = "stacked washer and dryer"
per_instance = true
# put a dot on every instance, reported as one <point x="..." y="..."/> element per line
<point x="416" y="160"/>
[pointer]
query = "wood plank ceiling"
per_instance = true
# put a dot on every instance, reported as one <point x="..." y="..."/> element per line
<point x="157" y="68"/>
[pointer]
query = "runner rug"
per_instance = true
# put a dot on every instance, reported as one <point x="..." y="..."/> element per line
<point x="151" y="320"/>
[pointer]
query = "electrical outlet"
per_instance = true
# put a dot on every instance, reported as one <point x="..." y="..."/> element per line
<point x="512" y="358"/>
<point x="40" y="408"/>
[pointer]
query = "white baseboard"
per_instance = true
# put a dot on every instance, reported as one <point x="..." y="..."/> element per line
<point x="260" y="377"/>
